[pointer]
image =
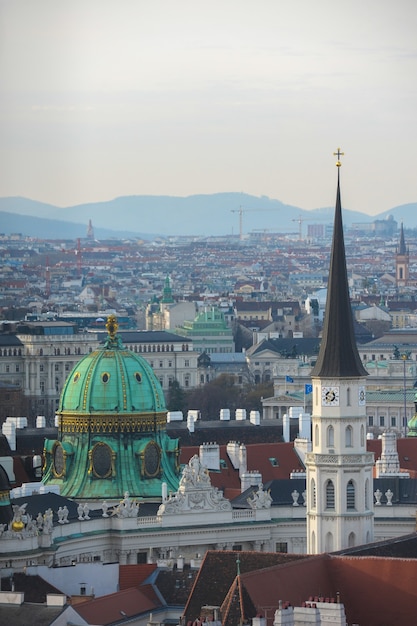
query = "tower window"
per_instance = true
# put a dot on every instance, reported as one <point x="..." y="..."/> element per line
<point x="330" y="437"/>
<point x="349" y="436"/>
<point x="350" y="496"/>
<point x="330" y="498"/>
<point x="313" y="493"/>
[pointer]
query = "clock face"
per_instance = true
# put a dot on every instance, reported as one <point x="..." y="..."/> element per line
<point x="362" y="396"/>
<point x="330" y="396"/>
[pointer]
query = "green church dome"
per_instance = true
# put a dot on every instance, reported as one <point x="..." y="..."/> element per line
<point x="112" y="429"/>
<point x="112" y="380"/>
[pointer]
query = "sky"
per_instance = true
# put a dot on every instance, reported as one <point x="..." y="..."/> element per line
<point x="106" y="98"/>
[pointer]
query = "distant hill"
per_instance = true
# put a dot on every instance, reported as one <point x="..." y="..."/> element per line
<point x="140" y="216"/>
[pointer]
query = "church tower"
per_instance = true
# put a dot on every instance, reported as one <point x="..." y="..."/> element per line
<point x="402" y="262"/>
<point x="339" y="469"/>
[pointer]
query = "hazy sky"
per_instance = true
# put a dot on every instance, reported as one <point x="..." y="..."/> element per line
<point x="102" y="98"/>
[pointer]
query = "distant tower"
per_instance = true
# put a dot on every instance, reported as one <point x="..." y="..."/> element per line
<point x="90" y="230"/>
<point x="402" y="261"/>
<point x="167" y="299"/>
<point x="339" y="469"/>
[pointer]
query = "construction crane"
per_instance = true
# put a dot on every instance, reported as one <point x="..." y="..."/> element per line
<point x="241" y="211"/>
<point x="300" y="221"/>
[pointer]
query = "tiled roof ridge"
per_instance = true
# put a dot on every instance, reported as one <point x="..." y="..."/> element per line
<point x="227" y="602"/>
<point x="291" y="563"/>
<point x="372" y="557"/>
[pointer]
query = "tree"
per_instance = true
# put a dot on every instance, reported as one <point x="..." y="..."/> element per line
<point x="220" y="393"/>
<point x="254" y="394"/>
<point x="177" y="398"/>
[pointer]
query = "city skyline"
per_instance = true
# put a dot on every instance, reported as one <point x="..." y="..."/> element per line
<point x="105" y="99"/>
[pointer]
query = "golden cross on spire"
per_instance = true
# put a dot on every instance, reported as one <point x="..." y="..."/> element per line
<point x="338" y="154"/>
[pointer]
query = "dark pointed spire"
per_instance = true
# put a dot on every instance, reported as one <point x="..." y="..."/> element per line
<point x="402" y="249"/>
<point x="338" y="356"/>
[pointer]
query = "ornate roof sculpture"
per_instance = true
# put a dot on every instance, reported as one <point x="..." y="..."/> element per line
<point x="112" y="428"/>
<point x="195" y="492"/>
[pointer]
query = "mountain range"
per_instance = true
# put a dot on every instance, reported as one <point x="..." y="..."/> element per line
<point x="151" y="216"/>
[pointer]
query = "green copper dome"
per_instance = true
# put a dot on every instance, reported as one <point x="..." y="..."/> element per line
<point x="112" y="429"/>
<point x="112" y="379"/>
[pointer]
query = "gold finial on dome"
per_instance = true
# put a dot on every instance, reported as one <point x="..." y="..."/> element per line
<point x="112" y="326"/>
<point x="338" y="154"/>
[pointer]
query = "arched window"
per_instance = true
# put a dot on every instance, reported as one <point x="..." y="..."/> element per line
<point x="313" y="493"/>
<point x="330" y="436"/>
<point x="329" y="542"/>
<point x="349" y="436"/>
<point x="348" y="396"/>
<point x="313" y="542"/>
<point x="362" y="435"/>
<point x="350" y="496"/>
<point x="367" y="494"/>
<point x="330" y="495"/>
<point x="316" y="436"/>
<point x="351" y="540"/>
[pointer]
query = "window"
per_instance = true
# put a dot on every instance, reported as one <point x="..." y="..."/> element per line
<point x="393" y="420"/>
<point x="281" y="546"/>
<point x="187" y="363"/>
<point x="170" y="363"/>
<point x="330" y="495"/>
<point x="350" y="496"/>
<point x="313" y="493"/>
<point x="329" y="542"/>
<point x="367" y="494"/>
<point x="370" y="420"/>
<point x="161" y="364"/>
<point x="349" y="436"/>
<point x="330" y="436"/>
<point x="382" y="420"/>
<point x="316" y="435"/>
<point x="7" y="368"/>
<point x="42" y="386"/>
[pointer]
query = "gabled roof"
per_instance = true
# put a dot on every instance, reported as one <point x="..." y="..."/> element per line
<point x="114" y="607"/>
<point x="134" y="575"/>
<point x="375" y="591"/>
<point x="218" y="572"/>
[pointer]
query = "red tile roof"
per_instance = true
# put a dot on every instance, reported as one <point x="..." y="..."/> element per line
<point x="114" y="607"/>
<point x="260" y="457"/>
<point x="407" y="452"/>
<point x="134" y="575"/>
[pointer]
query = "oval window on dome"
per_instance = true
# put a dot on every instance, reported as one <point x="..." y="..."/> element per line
<point x="152" y="460"/>
<point x="76" y="377"/>
<point x="138" y="377"/>
<point x="105" y="377"/>
<point x="58" y="460"/>
<point x="101" y="460"/>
